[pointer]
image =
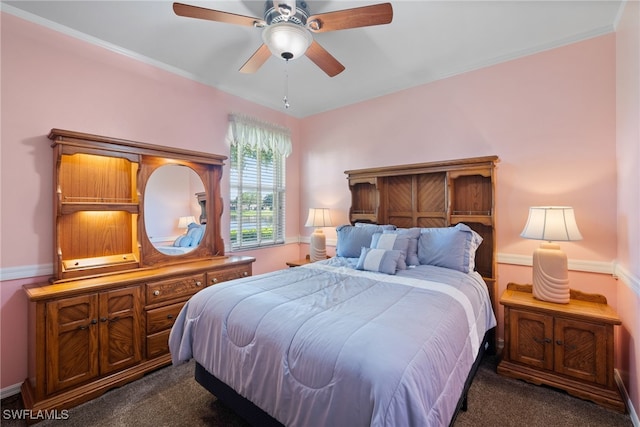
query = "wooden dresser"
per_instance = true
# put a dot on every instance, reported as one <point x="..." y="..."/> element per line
<point x="568" y="346"/>
<point x="104" y="318"/>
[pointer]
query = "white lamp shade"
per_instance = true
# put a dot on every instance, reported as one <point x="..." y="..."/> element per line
<point x="551" y="223"/>
<point x="184" y="221"/>
<point x="287" y="40"/>
<point x="318" y="217"/>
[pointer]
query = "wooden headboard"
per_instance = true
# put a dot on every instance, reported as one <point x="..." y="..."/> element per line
<point x="434" y="194"/>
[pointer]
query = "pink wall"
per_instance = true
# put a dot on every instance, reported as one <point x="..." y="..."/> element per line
<point x="52" y="80"/>
<point x="628" y="157"/>
<point x="551" y="117"/>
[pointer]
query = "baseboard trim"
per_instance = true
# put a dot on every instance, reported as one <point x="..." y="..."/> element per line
<point x="627" y="400"/>
<point x="12" y="390"/>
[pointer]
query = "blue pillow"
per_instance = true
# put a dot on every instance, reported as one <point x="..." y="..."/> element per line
<point x="195" y="233"/>
<point x="352" y="239"/>
<point x="182" y="241"/>
<point x="449" y="247"/>
<point x="393" y="241"/>
<point x="368" y="224"/>
<point x="378" y="260"/>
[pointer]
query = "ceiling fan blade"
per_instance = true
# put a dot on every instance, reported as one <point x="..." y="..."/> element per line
<point x="324" y="59"/>
<point x="365" y="16"/>
<point x="189" y="11"/>
<point x="258" y="58"/>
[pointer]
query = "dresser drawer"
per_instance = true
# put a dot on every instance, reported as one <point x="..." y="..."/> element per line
<point x="158" y="344"/>
<point x="163" y="318"/>
<point x="230" y="273"/>
<point x="174" y="288"/>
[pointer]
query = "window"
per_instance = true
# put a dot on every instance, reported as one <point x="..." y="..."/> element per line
<point x="257" y="177"/>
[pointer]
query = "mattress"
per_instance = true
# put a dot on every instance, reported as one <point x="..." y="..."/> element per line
<point x="326" y="344"/>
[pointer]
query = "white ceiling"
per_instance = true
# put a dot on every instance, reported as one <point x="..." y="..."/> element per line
<point x="427" y="40"/>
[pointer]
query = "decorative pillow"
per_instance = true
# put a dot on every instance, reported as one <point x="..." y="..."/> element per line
<point x="182" y="241"/>
<point x="412" y="249"/>
<point x="378" y="260"/>
<point x="351" y="239"/>
<point x="392" y="241"/>
<point x="450" y="247"/>
<point x="195" y="233"/>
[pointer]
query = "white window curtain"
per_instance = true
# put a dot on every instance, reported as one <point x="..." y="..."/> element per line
<point x="257" y="182"/>
<point x="258" y="134"/>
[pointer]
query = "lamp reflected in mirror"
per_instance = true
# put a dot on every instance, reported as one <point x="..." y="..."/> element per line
<point x="184" y="221"/>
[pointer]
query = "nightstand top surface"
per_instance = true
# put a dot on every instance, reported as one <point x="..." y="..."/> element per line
<point x="518" y="298"/>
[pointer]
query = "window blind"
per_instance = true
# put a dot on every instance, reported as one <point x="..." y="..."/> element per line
<point x="257" y="182"/>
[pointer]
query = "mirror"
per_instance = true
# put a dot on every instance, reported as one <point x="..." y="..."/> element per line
<point x="171" y="194"/>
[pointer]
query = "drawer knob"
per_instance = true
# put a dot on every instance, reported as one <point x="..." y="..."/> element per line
<point x="245" y="273"/>
<point x="559" y="342"/>
<point x="198" y="283"/>
<point x="169" y="316"/>
<point x="214" y="280"/>
<point x="156" y="293"/>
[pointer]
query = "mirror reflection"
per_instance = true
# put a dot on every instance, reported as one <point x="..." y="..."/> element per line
<point x="172" y="213"/>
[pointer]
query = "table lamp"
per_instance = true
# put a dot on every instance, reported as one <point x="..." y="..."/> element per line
<point x="550" y="273"/>
<point x="184" y="221"/>
<point x="318" y="217"/>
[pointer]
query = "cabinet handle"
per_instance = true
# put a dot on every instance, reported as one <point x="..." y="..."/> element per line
<point x="156" y="293"/>
<point x="103" y="319"/>
<point x="245" y="274"/>
<point x="169" y="316"/>
<point x="559" y="342"/>
<point x="543" y="340"/>
<point x="83" y="327"/>
<point x="198" y="283"/>
<point x="214" y="280"/>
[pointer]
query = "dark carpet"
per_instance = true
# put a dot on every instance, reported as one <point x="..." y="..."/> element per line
<point x="171" y="397"/>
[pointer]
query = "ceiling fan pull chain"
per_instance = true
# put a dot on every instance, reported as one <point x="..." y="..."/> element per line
<point x="286" y="85"/>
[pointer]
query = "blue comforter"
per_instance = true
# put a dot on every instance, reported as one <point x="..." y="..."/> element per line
<point x="328" y="345"/>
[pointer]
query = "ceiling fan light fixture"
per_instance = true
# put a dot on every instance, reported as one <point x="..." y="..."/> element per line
<point x="286" y="40"/>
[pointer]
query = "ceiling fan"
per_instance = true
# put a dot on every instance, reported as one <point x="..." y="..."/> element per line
<point x="288" y="27"/>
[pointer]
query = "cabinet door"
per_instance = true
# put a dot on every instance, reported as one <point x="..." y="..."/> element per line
<point x="72" y="341"/>
<point x="531" y="338"/>
<point x="581" y="350"/>
<point x="120" y="328"/>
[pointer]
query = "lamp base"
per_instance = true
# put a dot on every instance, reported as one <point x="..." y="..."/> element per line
<point x="318" y="246"/>
<point x="550" y="274"/>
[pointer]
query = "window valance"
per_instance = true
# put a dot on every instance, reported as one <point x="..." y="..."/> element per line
<point x="258" y="134"/>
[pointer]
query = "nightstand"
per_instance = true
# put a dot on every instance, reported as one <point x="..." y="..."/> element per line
<point x="567" y="346"/>
<point x="299" y="262"/>
<point x="303" y="261"/>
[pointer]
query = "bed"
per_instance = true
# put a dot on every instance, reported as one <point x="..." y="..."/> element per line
<point x="387" y="333"/>
<point x="369" y="337"/>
